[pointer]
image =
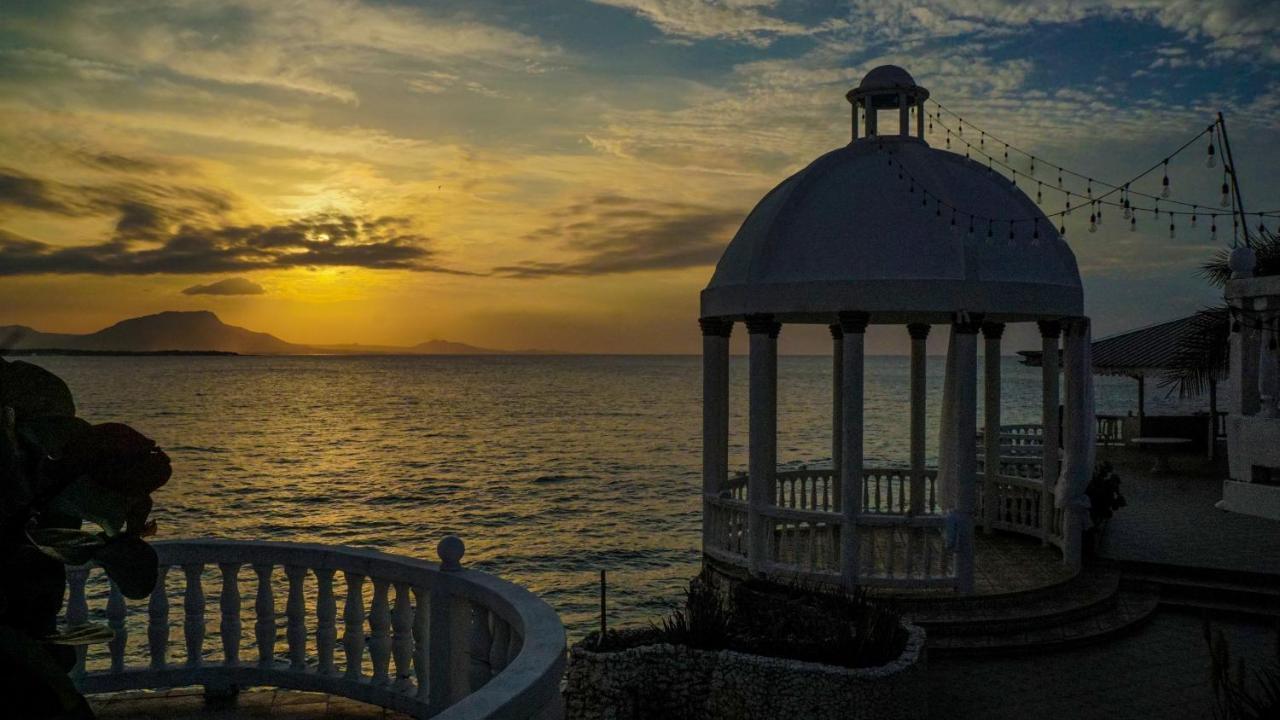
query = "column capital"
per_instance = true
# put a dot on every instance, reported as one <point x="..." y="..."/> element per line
<point x="716" y="327"/>
<point x="918" y="331"/>
<point x="836" y="332"/>
<point x="967" y="323"/>
<point x="992" y="330"/>
<point x="1050" y="329"/>
<point x="759" y="324"/>
<point x="854" y="322"/>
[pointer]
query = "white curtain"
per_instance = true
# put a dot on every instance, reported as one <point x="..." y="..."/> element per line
<point x="948" y="487"/>
<point x="1080" y="426"/>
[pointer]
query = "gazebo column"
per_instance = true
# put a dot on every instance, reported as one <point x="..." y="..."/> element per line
<point x="763" y="451"/>
<point x="837" y="408"/>
<point x="918" y="332"/>
<point x="715" y="412"/>
<point x="920" y="118"/>
<point x="904" y="115"/>
<point x="991" y="332"/>
<point x="966" y="403"/>
<point x="853" y="327"/>
<point x="1050" y="366"/>
<point x="1079" y="436"/>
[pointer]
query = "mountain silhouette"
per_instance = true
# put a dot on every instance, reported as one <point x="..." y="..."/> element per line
<point x="203" y="331"/>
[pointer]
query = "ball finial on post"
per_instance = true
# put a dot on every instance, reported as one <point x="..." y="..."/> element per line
<point x="450" y="550"/>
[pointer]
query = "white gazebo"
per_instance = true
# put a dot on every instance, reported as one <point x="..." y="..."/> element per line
<point x="861" y="237"/>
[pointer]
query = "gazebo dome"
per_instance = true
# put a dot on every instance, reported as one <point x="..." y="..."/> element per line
<point x="855" y="231"/>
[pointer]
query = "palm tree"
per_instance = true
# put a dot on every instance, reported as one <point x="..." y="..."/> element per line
<point x="1202" y="355"/>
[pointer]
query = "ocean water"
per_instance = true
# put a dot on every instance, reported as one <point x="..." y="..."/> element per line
<point x="549" y="468"/>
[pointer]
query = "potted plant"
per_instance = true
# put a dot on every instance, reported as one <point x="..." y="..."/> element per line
<point x="57" y="473"/>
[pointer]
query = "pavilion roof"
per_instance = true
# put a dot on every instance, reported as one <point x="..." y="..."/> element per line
<point x="1144" y="352"/>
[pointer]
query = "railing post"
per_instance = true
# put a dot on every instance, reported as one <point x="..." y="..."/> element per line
<point x="116" y="610"/>
<point x="193" y="614"/>
<point x="265" y="606"/>
<point x="296" y="618"/>
<point x="353" y="626"/>
<point x="450" y="617"/>
<point x="77" y="611"/>
<point x="158" y="622"/>
<point x="402" y="640"/>
<point x="421" y="642"/>
<point x="229" y="605"/>
<point x="326" y="621"/>
<point x="380" y="632"/>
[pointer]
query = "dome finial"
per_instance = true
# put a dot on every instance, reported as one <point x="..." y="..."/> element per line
<point x="887" y="87"/>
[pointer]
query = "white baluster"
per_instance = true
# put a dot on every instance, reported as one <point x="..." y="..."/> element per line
<point x="115" y="620"/>
<point x="158" y="622"/>
<point x="264" y="628"/>
<point x="296" y="612"/>
<point x="353" y="626"/>
<point x="402" y="640"/>
<point x="501" y="640"/>
<point x="421" y="640"/>
<point x="229" y="604"/>
<point x="480" y="640"/>
<point x="193" y="614"/>
<point x="380" y="632"/>
<point x="326" y="615"/>
<point x="77" y="611"/>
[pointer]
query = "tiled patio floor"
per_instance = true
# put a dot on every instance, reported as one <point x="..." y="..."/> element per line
<point x="249" y="705"/>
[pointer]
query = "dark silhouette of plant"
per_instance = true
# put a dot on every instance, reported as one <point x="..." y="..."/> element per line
<point x="56" y="472"/>
<point x="1240" y="695"/>
<point x="1203" y="354"/>
<point x="703" y="621"/>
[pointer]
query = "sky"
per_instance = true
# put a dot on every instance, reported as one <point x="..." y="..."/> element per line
<point x="558" y="174"/>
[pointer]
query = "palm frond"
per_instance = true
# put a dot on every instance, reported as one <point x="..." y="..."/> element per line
<point x="1202" y="355"/>
<point x="1266" y="245"/>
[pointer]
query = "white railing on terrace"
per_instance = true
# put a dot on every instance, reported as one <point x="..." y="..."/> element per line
<point x="432" y="641"/>
<point x="896" y="548"/>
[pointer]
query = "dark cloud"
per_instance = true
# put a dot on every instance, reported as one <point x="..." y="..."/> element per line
<point x="617" y="234"/>
<point x="116" y="162"/>
<point x="180" y="229"/>
<point x="230" y="286"/>
<point x="331" y="240"/>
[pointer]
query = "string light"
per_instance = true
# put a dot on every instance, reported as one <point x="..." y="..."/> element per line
<point x="1171" y="230"/>
<point x="1093" y="222"/>
<point x="1089" y="189"/>
<point x="1193" y="217"/>
<point x="1210" y="161"/>
<point x="1213" y="228"/>
<point x="1133" y="224"/>
<point x="1164" y="184"/>
<point x="1226" y="195"/>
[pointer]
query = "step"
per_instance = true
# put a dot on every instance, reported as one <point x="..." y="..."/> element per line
<point x="1219" y="591"/>
<point x="1133" y="607"/>
<point x="1086" y="596"/>
<point x="1090" y="593"/>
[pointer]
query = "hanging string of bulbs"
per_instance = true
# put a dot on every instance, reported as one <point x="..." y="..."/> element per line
<point x="1128" y="197"/>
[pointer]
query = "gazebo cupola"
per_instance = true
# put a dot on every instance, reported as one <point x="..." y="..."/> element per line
<point x="888" y="87"/>
<point x="859" y="237"/>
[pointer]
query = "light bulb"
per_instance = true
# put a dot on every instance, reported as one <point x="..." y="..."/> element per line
<point x="1164" y="192"/>
<point x="1093" y="223"/>
<point x="1226" y="196"/>
<point x="1211" y="160"/>
<point x="1193" y="222"/>
<point x="1171" y="231"/>
<point x="1133" y="224"/>
<point x="1127" y="213"/>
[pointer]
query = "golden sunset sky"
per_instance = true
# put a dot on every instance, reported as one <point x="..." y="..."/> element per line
<point x="553" y="174"/>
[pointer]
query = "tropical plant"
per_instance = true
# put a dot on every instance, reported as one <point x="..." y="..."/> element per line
<point x="1202" y="354"/>
<point x="58" y="471"/>
<point x="1238" y="694"/>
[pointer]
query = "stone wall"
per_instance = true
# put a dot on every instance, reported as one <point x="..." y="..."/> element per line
<point x="674" y="682"/>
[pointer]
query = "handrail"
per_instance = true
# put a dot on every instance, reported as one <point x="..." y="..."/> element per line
<point x="464" y="644"/>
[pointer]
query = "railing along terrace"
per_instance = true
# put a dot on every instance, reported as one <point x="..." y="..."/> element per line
<point x="428" y="640"/>
<point x="896" y="548"/>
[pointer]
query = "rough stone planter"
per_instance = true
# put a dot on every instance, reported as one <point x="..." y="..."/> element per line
<point x="674" y="682"/>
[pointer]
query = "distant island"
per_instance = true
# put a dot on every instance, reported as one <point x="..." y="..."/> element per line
<point x="202" y="332"/>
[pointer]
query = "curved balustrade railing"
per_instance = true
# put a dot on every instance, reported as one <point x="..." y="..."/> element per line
<point x="432" y="641"/>
<point x="896" y="547"/>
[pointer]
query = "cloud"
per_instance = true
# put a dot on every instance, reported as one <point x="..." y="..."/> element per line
<point x="230" y="286"/>
<point x="326" y="240"/>
<point x="610" y="234"/>
<point x="738" y="20"/>
<point x="300" y="46"/>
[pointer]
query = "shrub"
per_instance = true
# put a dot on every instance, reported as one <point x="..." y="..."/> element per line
<point x="793" y="621"/>
<point x="56" y="472"/>
<point x="1240" y="695"/>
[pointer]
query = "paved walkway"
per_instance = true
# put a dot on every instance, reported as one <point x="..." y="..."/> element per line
<point x="1172" y="519"/>
<point x="1161" y="671"/>
<point x="250" y="705"/>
